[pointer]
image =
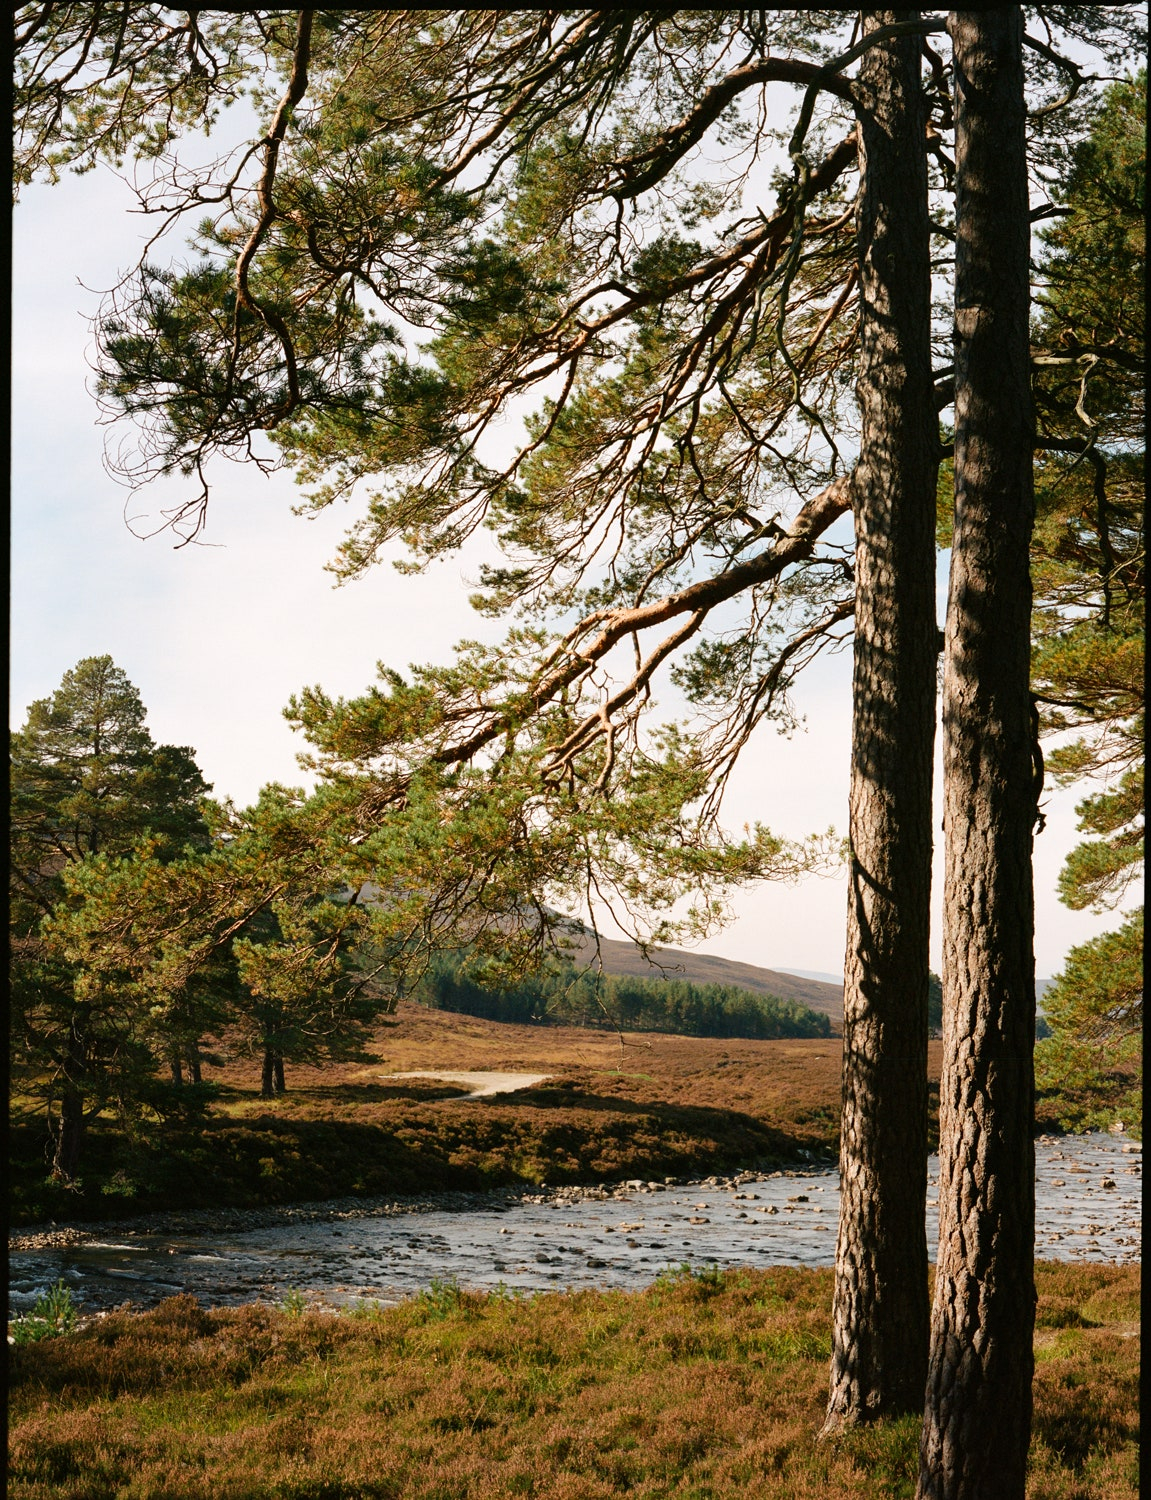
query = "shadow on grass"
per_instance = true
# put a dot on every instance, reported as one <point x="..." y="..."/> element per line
<point x="1077" y="1420"/>
<point x="355" y="1094"/>
<point x="708" y="1384"/>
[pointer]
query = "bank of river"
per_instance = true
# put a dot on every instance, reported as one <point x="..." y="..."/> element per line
<point x="1088" y="1196"/>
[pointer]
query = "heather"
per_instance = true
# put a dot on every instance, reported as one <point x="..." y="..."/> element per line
<point x="614" y="1107"/>
<point x="703" y="1385"/>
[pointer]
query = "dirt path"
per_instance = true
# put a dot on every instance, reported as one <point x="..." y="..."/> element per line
<point x="480" y="1085"/>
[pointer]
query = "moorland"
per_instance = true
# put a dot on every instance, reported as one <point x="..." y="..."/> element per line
<point x="613" y="1106"/>
<point x="704" y="1384"/>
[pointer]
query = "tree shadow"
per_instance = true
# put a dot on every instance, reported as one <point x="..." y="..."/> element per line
<point x="415" y="1092"/>
<point x="1077" y="1422"/>
<point x="557" y="1135"/>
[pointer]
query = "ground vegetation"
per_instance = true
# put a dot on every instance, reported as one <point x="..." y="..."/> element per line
<point x="613" y="1107"/>
<point x="706" y="1382"/>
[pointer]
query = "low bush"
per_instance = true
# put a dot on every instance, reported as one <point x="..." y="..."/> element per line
<point x="276" y="1158"/>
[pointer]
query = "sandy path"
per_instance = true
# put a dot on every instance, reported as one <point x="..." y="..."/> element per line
<point x="480" y="1085"/>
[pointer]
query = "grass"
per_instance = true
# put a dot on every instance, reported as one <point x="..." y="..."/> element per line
<point x="653" y="1106"/>
<point x="707" y="1385"/>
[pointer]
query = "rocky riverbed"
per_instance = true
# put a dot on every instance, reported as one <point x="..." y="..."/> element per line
<point x="1088" y="1197"/>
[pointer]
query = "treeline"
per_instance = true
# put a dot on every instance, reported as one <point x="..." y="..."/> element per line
<point x="563" y="995"/>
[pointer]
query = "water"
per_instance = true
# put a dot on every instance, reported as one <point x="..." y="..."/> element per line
<point x="615" y="1237"/>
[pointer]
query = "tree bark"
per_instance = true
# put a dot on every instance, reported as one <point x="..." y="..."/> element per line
<point x="978" y="1409"/>
<point x="268" y="1075"/>
<point x="880" y="1314"/>
<point x="278" y="1067"/>
<point x="66" y="1157"/>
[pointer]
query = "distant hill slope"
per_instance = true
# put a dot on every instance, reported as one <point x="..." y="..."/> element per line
<point x="703" y="968"/>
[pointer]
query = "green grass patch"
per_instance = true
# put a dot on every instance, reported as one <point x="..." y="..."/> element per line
<point x="53" y="1313"/>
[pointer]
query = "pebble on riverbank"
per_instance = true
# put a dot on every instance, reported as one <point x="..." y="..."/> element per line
<point x="239" y="1220"/>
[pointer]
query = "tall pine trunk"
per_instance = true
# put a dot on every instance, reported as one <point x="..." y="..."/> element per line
<point x="66" y="1157"/>
<point x="978" y="1412"/>
<point x="880" y="1318"/>
<point x="272" y="1073"/>
<point x="67" y="1154"/>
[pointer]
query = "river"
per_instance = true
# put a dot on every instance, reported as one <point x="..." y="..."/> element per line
<point x="1088" y="1199"/>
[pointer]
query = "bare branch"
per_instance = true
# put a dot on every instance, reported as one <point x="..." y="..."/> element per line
<point x="297" y="86"/>
<point x="581" y="648"/>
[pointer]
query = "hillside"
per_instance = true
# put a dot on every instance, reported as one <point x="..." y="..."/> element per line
<point x="703" y="968"/>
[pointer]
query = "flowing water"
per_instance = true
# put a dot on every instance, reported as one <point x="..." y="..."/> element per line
<point x="1088" y="1195"/>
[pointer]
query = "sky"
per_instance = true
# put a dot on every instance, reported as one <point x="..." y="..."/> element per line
<point x="217" y="636"/>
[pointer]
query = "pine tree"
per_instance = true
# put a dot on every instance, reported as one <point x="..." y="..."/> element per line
<point x="1091" y="1064"/>
<point x="1088" y="623"/>
<point x="1087" y="664"/>
<point x="87" y="778"/>
<point x="691" y="361"/>
<point x="707" y="361"/>
<point x="87" y="782"/>
<point x="879" y="1350"/>
<point x="253" y="933"/>
<point x="977" y="1422"/>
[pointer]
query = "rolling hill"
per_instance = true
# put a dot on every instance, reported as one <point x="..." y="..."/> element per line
<point x="703" y="968"/>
